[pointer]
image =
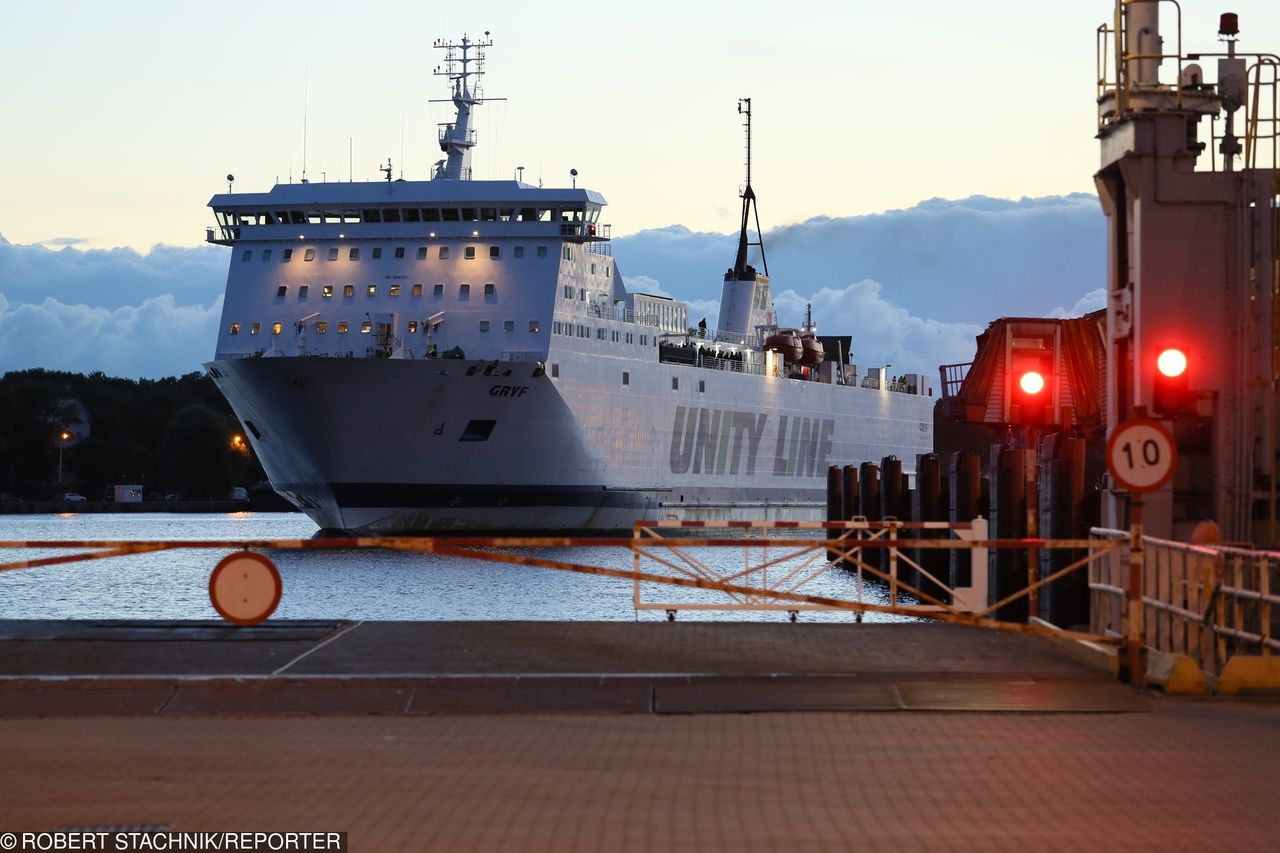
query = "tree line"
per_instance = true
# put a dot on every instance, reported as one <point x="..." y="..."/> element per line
<point x="176" y="436"/>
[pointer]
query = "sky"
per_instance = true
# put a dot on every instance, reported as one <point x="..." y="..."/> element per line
<point x="871" y="119"/>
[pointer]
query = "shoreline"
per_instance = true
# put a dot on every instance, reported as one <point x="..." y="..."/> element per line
<point x="55" y="507"/>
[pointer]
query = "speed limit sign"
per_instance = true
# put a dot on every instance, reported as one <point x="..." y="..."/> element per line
<point x="1141" y="455"/>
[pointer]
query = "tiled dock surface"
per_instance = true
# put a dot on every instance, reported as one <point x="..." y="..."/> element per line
<point x="427" y="769"/>
<point x="53" y="668"/>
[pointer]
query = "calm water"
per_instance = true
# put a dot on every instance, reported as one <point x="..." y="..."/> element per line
<point x="363" y="584"/>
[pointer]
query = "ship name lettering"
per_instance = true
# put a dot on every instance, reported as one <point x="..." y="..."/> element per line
<point x="715" y="441"/>
<point x="508" y="390"/>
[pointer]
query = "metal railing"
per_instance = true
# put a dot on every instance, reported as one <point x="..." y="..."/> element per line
<point x="1208" y="602"/>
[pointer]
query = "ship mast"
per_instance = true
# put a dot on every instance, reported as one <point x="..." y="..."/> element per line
<point x="741" y="270"/>
<point x="457" y="138"/>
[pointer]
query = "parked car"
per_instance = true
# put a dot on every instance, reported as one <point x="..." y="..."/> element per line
<point x="72" y="497"/>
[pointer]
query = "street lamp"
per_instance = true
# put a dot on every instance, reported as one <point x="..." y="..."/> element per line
<point x="63" y="438"/>
<point x="238" y="443"/>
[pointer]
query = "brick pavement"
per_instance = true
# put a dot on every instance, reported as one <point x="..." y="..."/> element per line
<point x="1190" y="775"/>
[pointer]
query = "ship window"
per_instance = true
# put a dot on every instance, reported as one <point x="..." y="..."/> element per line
<point x="568" y="291"/>
<point x="508" y="325"/>
<point x="702" y="386"/>
<point x="488" y="214"/>
<point x="430" y="214"/>
<point x="470" y="253"/>
<point x="350" y="216"/>
<point x="302" y="291"/>
<point x="495" y="251"/>
<point x="644" y="340"/>
<point x="333" y="253"/>
<point x="417" y="290"/>
<point x="484" y="325"/>
<point x="377" y="253"/>
<point x="478" y="430"/>
<point x="555" y="327"/>
<point x="286" y="255"/>
<point x="631" y="338"/>
<point x="246" y="255"/>
<point x="469" y="214"/>
<point x="606" y="269"/>
<point x="275" y="328"/>
<point x="444" y="252"/>
<point x="437" y="291"/>
<point x="410" y="214"/>
<point x="490" y="289"/>
<point x="399" y="252"/>
<point x="235" y="328"/>
<point x="372" y="215"/>
<point x="266" y="254"/>
<point x="342" y="327"/>
<point x="422" y="253"/>
<point x="507" y="214"/>
<point x="348" y="290"/>
<point x="372" y="290"/>
<point x="601" y="333"/>
<point x="568" y="253"/>
<point x="297" y="217"/>
<point x="675" y="383"/>
<point x="449" y="214"/>
<point x="542" y="251"/>
<point x="582" y="294"/>
<point x="518" y="251"/>
<point x="413" y="326"/>
<point x="626" y="378"/>
<point x="353" y="255"/>
<point x="254" y="328"/>
<point x="393" y="290"/>
<point x="253" y="429"/>
<point x="281" y="291"/>
<point x="555" y="370"/>
<point x="615" y="337"/>
<point x="391" y="215"/>
<point x="309" y="255"/>
<point x="322" y="327"/>
<point x="464" y="292"/>
<point x="315" y="217"/>
<point x="366" y="326"/>
<point x="327" y="291"/>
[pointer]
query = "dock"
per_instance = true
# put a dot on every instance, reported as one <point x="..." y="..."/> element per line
<point x="620" y="736"/>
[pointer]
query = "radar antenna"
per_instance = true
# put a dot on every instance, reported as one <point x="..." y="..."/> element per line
<point x="464" y="67"/>
<point x="742" y="271"/>
<point x="386" y="170"/>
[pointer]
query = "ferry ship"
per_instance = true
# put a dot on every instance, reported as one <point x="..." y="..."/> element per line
<point x="463" y="355"/>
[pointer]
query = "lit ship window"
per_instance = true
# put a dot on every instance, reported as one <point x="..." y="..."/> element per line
<point x="276" y="328"/>
<point x="535" y="326"/>
<point x="366" y="326"/>
<point x="281" y="291"/>
<point x="353" y="255"/>
<point x="518" y="251"/>
<point x="286" y="256"/>
<point x="470" y="253"/>
<point x="333" y="253"/>
<point x="248" y="253"/>
<point x="399" y="252"/>
<point x="322" y="327"/>
<point x="348" y="290"/>
<point x="464" y="292"/>
<point x="373" y="290"/>
<point x="302" y="291"/>
<point x="393" y="290"/>
<point x="508" y="325"/>
<point x="235" y="328"/>
<point x="417" y="290"/>
<point x="377" y="253"/>
<point x="342" y="327"/>
<point x="327" y="292"/>
<point x="422" y="253"/>
<point x="254" y="328"/>
<point x="444" y="252"/>
<point x="413" y="326"/>
<point x="495" y="252"/>
<point x="310" y="255"/>
<point x="484" y="325"/>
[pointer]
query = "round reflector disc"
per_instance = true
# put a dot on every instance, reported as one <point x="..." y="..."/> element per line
<point x="245" y="588"/>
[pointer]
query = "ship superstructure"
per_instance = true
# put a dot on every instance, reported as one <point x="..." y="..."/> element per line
<point x="460" y="354"/>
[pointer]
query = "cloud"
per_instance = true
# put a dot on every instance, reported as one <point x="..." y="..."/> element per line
<point x="644" y="284"/>
<point x="154" y="339"/>
<point x="1094" y="300"/>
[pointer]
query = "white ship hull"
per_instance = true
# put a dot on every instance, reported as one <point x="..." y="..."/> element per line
<point x="400" y="446"/>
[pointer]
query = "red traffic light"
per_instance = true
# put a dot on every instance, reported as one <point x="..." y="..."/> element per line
<point x="1031" y="382"/>
<point x="1171" y="362"/>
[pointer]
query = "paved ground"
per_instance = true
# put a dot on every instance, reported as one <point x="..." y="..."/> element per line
<point x="387" y="731"/>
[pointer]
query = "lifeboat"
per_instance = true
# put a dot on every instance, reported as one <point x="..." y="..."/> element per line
<point x="813" y="353"/>
<point x="786" y="343"/>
